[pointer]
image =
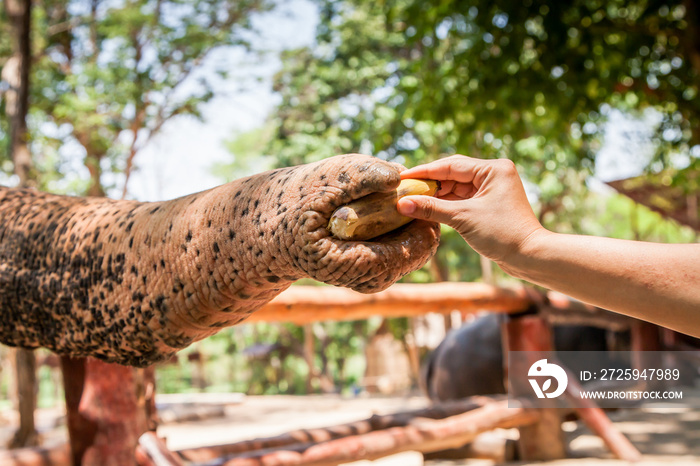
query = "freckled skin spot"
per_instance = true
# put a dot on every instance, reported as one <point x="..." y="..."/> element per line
<point x="133" y="283"/>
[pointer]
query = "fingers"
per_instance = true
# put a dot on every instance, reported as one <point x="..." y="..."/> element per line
<point x="430" y="208"/>
<point x="456" y="168"/>
<point x="453" y="190"/>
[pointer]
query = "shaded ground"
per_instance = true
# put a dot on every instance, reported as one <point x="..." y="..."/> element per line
<point x="664" y="433"/>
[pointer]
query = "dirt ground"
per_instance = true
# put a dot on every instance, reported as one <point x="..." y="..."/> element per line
<point x="664" y="433"/>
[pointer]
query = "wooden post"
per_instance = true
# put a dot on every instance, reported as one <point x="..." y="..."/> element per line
<point x="149" y="395"/>
<point x="106" y="411"/>
<point x="543" y="440"/>
<point x="645" y="349"/>
<point x="309" y="356"/>
<point x="600" y="424"/>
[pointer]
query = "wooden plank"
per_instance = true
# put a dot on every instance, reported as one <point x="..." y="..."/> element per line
<point x="304" y="304"/>
<point x="322" y="434"/>
<point x="153" y="452"/>
<point x="36" y="456"/>
<point x="424" y="435"/>
<point x="600" y="424"/>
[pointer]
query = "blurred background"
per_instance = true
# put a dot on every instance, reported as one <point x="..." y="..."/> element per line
<point x="595" y="101"/>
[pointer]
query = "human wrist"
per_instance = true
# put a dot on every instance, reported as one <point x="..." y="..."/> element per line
<point x="521" y="262"/>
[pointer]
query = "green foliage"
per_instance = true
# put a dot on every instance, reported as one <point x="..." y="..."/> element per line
<point x="532" y="81"/>
<point x="107" y="76"/>
<point x="420" y="79"/>
<point x="5" y="53"/>
<point x="620" y="217"/>
<point x="248" y="151"/>
<point x="267" y="359"/>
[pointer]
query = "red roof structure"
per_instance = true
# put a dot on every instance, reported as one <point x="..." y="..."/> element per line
<point x="659" y="193"/>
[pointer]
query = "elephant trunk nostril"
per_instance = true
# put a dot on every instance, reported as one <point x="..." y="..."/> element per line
<point x="380" y="177"/>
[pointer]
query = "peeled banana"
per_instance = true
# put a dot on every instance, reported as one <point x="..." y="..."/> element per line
<point x="376" y="214"/>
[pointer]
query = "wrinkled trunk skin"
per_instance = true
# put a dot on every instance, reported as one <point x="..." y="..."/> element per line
<point x="133" y="283"/>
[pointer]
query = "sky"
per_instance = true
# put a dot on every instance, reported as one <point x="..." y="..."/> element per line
<point x="180" y="159"/>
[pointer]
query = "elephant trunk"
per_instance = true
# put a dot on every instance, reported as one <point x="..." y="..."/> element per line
<point x="133" y="282"/>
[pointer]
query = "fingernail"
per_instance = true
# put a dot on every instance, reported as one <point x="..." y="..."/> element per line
<point x="406" y="207"/>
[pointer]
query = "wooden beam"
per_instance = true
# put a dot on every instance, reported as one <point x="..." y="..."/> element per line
<point x="152" y="451"/>
<point x="37" y="456"/>
<point x="563" y="310"/>
<point x="424" y="435"/>
<point x="322" y="434"/>
<point x="304" y="304"/>
<point x="600" y="424"/>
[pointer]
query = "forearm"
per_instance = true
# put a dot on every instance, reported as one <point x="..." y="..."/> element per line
<point x="655" y="282"/>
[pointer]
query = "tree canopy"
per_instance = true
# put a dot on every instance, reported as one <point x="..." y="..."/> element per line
<point x="533" y="81"/>
<point x="529" y="80"/>
<point x="107" y="76"/>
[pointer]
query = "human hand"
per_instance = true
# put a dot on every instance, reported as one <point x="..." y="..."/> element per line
<point x="483" y="200"/>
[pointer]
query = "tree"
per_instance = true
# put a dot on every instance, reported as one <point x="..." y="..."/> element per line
<point x="109" y="76"/>
<point x="15" y="72"/>
<point x="532" y="81"/>
<point x="5" y="54"/>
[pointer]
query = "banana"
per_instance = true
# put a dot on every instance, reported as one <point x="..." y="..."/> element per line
<point x="376" y="214"/>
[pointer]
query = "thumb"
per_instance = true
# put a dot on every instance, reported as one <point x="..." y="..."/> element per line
<point x="427" y="208"/>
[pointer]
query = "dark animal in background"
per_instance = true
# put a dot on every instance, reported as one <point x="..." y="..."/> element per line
<point x="469" y="361"/>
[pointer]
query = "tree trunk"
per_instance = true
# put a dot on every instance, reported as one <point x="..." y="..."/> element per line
<point x="25" y="384"/>
<point x="16" y="74"/>
<point x="92" y="162"/>
<point x="309" y="354"/>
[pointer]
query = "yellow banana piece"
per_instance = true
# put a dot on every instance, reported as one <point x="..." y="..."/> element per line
<point x="376" y="214"/>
